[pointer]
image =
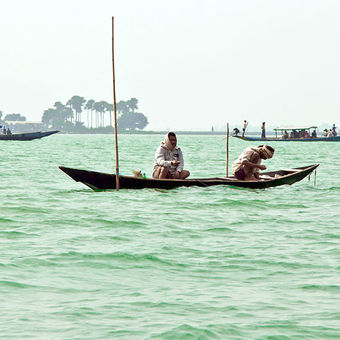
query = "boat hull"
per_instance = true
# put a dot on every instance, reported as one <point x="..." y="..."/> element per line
<point x="104" y="181"/>
<point x="27" y="136"/>
<point x="273" y="139"/>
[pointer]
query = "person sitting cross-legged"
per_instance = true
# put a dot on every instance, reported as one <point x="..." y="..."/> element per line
<point x="169" y="161"/>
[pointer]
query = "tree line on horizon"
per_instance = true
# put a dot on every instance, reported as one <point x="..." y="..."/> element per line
<point x="12" y="117"/>
<point x="68" y="117"/>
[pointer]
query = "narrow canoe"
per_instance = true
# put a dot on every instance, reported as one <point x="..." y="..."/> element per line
<point x="103" y="181"/>
<point x="27" y="136"/>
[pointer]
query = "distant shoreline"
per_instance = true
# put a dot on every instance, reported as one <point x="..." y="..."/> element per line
<point x="205" y="133"/>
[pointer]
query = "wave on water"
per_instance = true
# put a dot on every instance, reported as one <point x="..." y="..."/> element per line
<point x="186" y="331"/>
<point x="135" y="260"/>
<point x="14" y="234"/>
<point x="15" y="284"/>
<point x="318" y="287"/>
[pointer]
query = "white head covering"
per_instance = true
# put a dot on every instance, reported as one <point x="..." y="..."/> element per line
<point x="167" y="142"/>
<point x="266" y="150"/>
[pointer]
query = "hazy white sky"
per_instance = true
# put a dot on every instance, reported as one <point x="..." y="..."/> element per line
<point x="190" y="63"/>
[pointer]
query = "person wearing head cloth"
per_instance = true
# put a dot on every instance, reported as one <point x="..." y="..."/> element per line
<point x="248" y="164"/>
<point x="169" y="161"/>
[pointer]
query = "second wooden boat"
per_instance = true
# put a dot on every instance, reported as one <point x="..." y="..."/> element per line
<point x="274" y="139"/>
<point x="27" y="136"/>
<point x="293" y="134"/>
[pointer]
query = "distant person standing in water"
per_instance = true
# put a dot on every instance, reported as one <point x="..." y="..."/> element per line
<point x="245" y="124"/>
<point x="263" y="128"/>
<point x="248" y="164"/>
<point x="169" y="161"/>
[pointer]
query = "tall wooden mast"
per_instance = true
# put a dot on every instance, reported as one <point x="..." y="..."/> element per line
<point x="114" y="106"/>
<point x="227" y="149"/>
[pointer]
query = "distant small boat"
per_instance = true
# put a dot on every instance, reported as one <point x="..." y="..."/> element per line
<point x="292" y="131"/>
<point x="27" y="136"/>
<point x="103" y="181"/>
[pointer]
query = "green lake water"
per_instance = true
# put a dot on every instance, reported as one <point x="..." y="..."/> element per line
<point x="190" y="263"/>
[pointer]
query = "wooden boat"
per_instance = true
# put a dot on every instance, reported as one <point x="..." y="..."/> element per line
<point x="104" y="181"/>
<point x="27" y="136"/>
<point x="292" y="131"/>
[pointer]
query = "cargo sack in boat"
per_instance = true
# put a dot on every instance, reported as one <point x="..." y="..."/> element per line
<point x="137" y="173"/>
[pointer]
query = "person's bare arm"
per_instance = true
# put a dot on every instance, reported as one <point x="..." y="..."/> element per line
<point x="254" y="165"/>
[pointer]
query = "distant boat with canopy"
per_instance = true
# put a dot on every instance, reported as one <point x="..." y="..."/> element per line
<point x="293" y="134"/>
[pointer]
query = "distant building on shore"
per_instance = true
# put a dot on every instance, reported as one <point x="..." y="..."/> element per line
<point x="24" y="126"/>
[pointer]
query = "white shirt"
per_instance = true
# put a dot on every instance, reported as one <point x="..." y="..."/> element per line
<point x="245" y="155"/>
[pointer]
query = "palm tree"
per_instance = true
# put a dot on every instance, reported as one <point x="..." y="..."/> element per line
<point x="95" y="108"/>
<point x="101" y="113"/>
<point x="122" y="108"/>
<point x="99" y="107"/>
<point x="57" y="117"/>
<point x="48" y="117"/>
<point x="89" y="106"/>
<point x="77" y="103"/>
<point x="63" y="112"/>
<point x="102" y="107"/>
<point x="109" y="107"/>
<point x="132" y="104"/>
<point x="59" y="106"/>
